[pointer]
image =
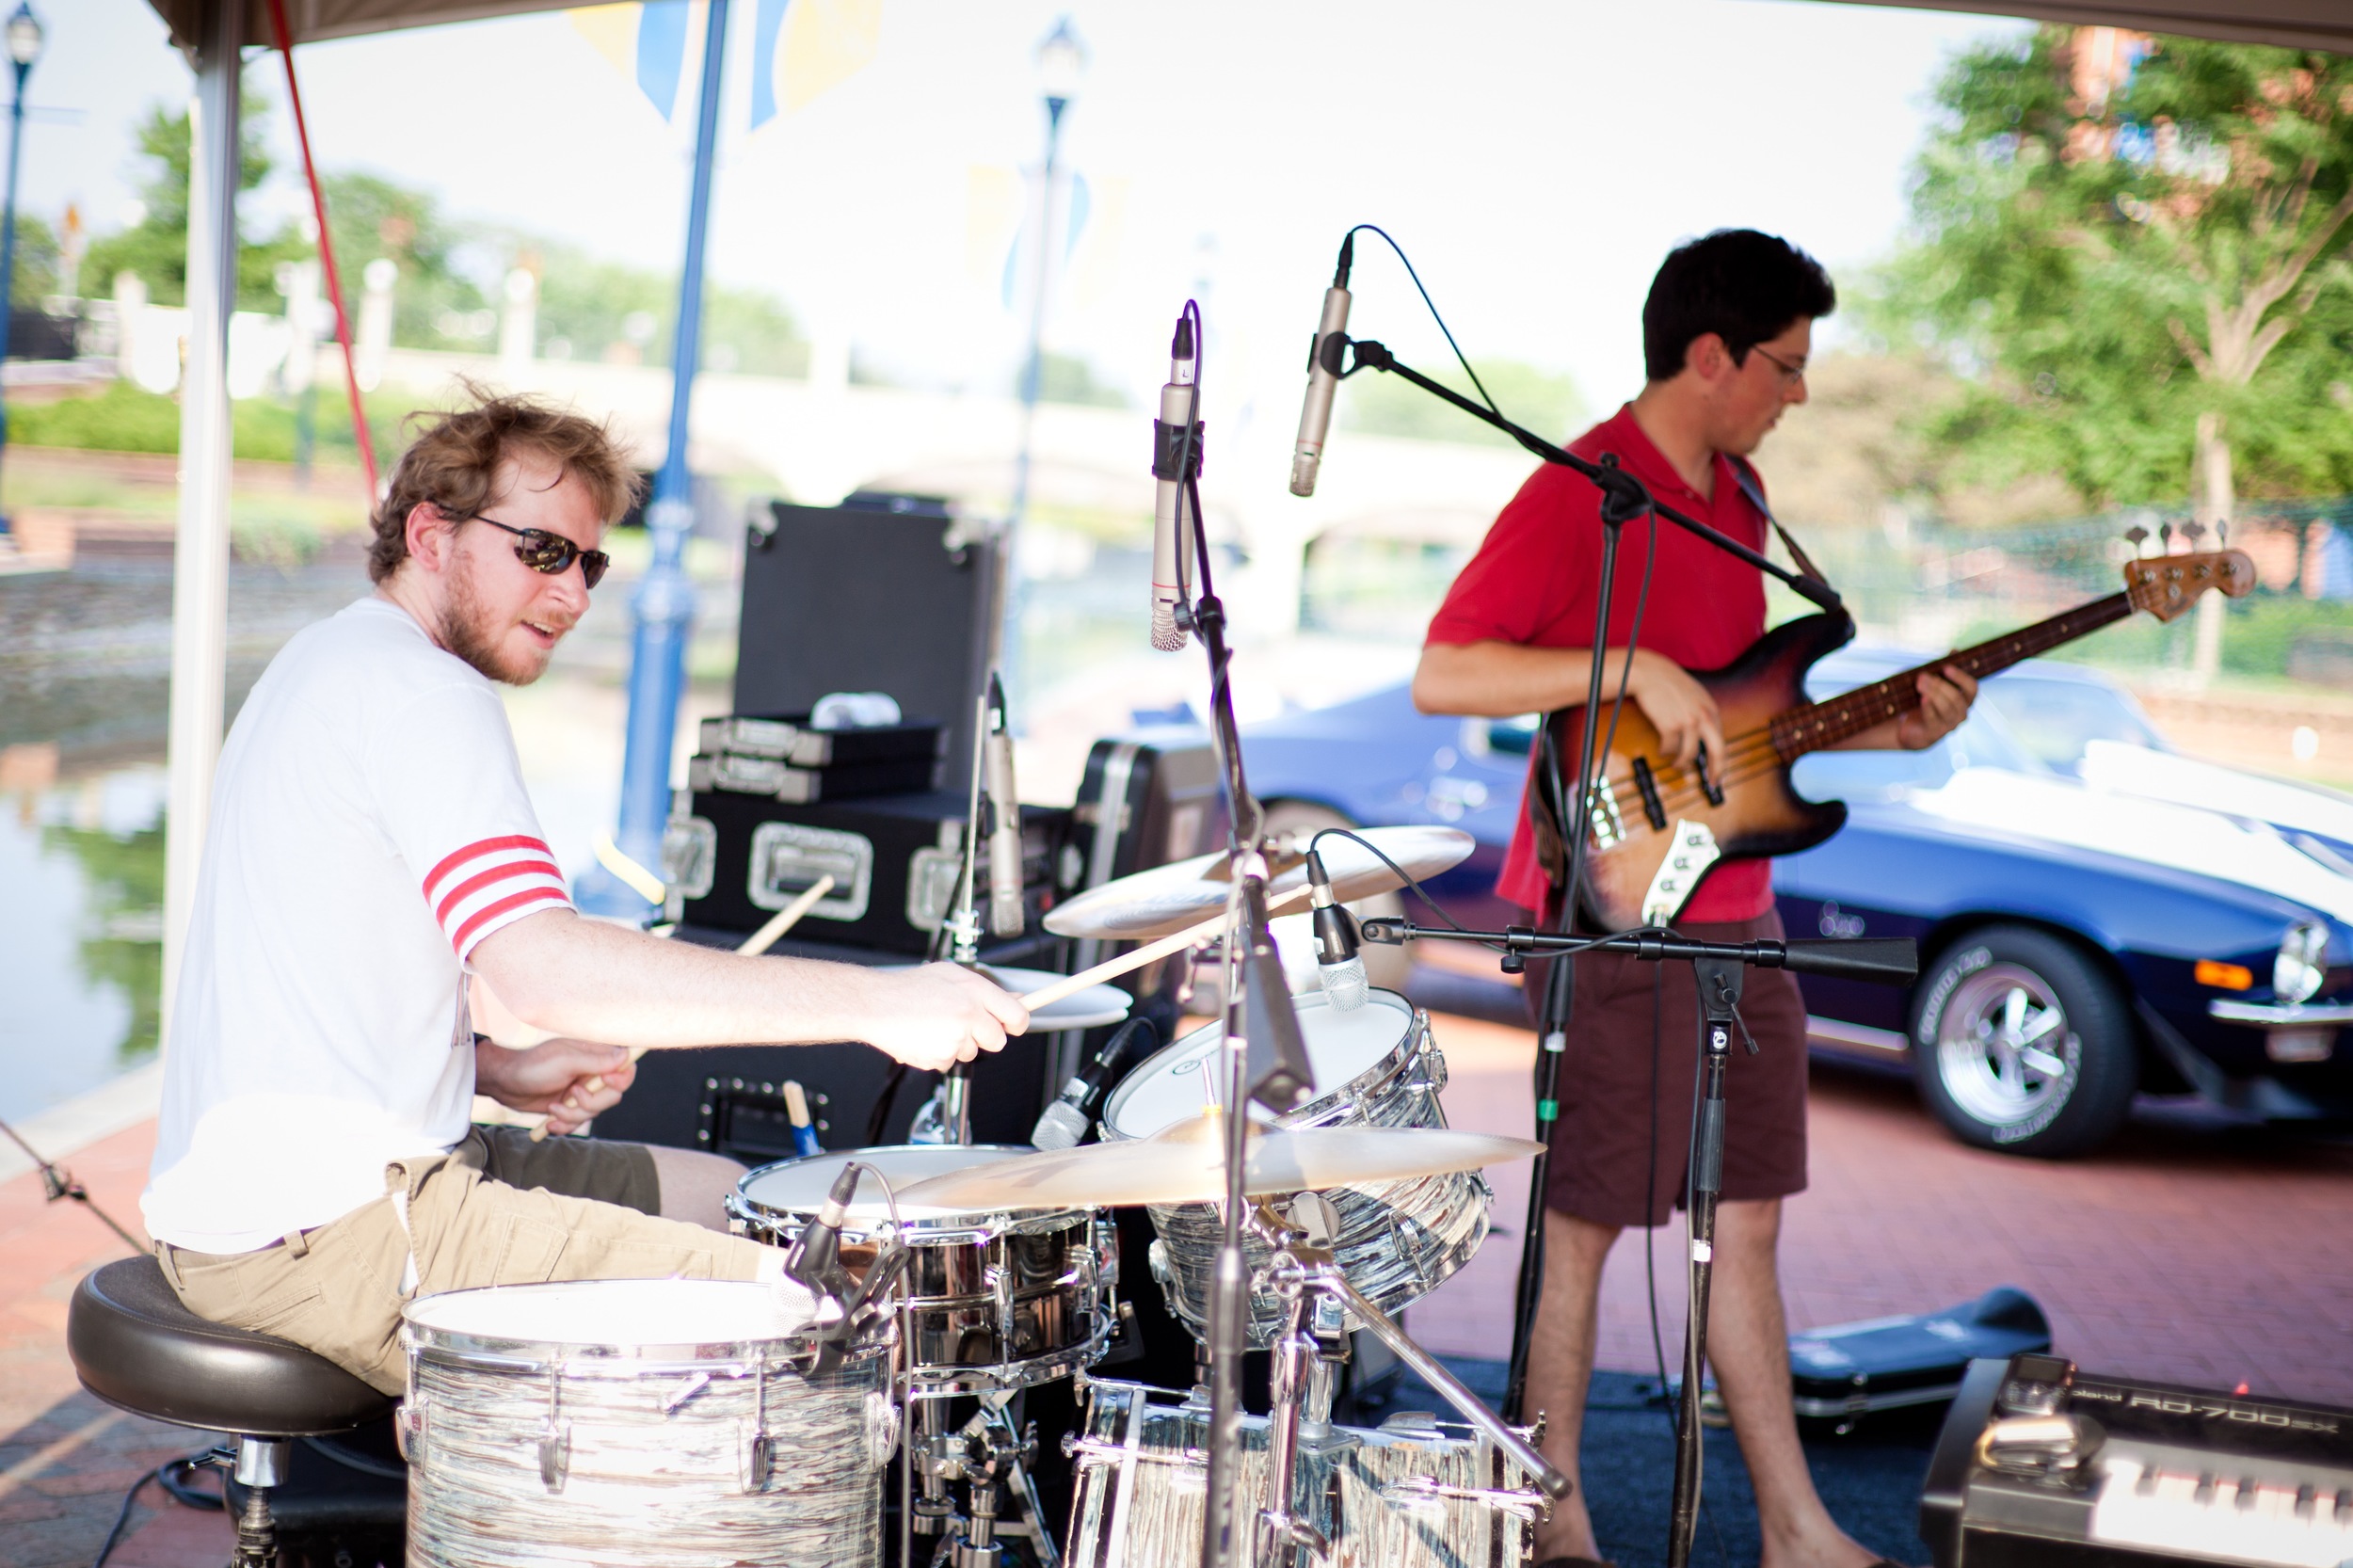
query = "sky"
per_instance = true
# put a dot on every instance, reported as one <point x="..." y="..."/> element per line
<point x="1534" y="159"/>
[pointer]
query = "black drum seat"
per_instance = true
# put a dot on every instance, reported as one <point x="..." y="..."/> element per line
<point x="135" y="1346"/>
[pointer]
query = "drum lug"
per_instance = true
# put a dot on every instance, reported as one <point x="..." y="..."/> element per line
<point x="759" y="1461"/>
<point x="409" y="1428"/>
<point x="882" y="1427"/>
<point x="555" y="1455"/>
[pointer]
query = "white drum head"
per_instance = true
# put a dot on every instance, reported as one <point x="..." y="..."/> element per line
<point x="799" y="1186"/>
<point x="1091" y="1008"/>
<point x="618" y="1313"/>
<point x="1168" y="1087"/>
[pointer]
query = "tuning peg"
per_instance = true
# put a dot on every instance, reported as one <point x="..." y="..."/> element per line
<point x="2164" y="537"/>
<point x="2193" y="532"/>
<point x="2136" y="536"/>
<point x="2221" y="532"/>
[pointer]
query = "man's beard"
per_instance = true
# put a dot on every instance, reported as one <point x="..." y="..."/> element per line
<point x="466" y="631"/>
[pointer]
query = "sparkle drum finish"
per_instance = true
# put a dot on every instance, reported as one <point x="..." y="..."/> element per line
<point x="638" y="1424"/>
<point x="992" y="1300"/>
<point x="1416" y="1493"/>
<point x="1376" y="1066"/>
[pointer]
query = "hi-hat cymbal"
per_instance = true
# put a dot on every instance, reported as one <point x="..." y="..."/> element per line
<point x="1167" y="898"/>
<point x="1185" y="1164"/>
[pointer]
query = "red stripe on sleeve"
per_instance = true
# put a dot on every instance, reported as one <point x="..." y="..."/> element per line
<point x="495" y="875"/>
<point x="492" y="911"/>
<point x="479" y="848"/>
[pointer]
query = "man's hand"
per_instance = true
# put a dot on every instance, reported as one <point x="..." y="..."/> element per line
<point x="1944" y="699"/>
<point x="938" y="1015"/>
<point x="553" y="1076"/>
<point x="1678" y="707"/>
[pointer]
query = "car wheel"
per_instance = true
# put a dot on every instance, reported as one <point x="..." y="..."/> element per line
<point x="2020" y="1043"/>
<point x="1384" y="966"/>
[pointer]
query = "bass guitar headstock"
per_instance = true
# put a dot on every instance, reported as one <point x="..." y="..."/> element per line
<point x="2167" y="585"/>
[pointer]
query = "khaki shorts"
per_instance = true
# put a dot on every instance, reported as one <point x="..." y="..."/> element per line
<point x="497" y="1209"/>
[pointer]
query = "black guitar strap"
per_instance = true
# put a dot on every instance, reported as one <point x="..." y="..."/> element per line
<point x="1754" y="490"/>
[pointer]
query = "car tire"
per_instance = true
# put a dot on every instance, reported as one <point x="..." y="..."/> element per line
<point x="2020" y="1043"/>
<point x="1386" y="967"/>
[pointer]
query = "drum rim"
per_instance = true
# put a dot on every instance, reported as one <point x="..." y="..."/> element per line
<point x="941" y="1229"/>
<point x="1390" y="1064"/>
<point x="607" y="1357"/>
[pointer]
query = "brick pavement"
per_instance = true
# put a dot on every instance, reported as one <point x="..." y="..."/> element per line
<point x="2196" y="1248"/>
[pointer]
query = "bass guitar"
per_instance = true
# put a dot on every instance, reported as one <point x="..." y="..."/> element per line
<point x="1656" y="828"/>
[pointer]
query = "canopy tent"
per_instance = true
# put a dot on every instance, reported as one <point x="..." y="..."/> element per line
<point x="214" y="33"/>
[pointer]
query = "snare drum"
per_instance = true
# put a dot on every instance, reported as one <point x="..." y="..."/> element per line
<point x="1375" y="1067"/>
<point x="654" y="1423"/>
<point x="991" y="1300"/>
<point x="1416" y="1493"/>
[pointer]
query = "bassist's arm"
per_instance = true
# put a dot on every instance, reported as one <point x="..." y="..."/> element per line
<point x="1498" y="679"/>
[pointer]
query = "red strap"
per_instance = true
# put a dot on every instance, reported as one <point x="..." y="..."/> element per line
<point x="327" y="249"/>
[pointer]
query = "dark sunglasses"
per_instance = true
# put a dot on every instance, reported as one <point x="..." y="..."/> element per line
<point x="544" y="552"/>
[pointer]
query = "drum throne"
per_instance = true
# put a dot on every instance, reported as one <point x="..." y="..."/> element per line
<point x="136" y="1347"/>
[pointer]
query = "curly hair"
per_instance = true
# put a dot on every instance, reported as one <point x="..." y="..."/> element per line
<point x="453" y="464"/>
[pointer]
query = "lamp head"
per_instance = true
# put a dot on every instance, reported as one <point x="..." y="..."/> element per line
<point x="1062" y="60"/>
<point x="24" y="36"/>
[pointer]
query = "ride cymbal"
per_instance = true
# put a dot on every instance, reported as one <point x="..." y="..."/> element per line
<point x="1185" y="1164"/>
<point x="1167" y="898"/>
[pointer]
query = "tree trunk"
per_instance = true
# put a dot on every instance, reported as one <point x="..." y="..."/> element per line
<point x="2213" y="507"/>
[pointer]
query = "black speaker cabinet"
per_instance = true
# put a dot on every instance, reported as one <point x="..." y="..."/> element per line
<point x="880" y="594"/>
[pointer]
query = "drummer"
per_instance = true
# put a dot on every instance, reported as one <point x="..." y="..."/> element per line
<point x="371" y="845"/>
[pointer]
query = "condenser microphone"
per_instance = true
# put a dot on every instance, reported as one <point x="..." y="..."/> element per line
<point x="1323" y="377"/>
<point x="1338" y="963"/>
<point x="1006" y="917"/>
<point x="815" y="1260"/>
<point x="1172" y="540"/>
<point x="1065" y="1120"/>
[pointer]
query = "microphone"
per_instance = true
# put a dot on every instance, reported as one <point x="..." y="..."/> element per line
<point x="1172" y="524"/>
<point x="1323" y="376"/>
<point x="1006" y="917"/>
<point x="1066" y="1121"/>
<point x="1337" y="958"/>
<point x="815" y="1260"/>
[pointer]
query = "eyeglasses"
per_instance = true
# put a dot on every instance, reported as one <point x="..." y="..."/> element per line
<point x="1790" y="374"/>
<point x="543" y="552"/>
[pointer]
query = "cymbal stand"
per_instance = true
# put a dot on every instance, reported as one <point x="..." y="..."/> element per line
<point x="947" y="1112"/>
<point x="1305" y="1276"/>
<point x="985" y="1450"/>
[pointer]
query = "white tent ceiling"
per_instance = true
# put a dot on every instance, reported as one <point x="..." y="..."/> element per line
<point x="2305" y="24"/>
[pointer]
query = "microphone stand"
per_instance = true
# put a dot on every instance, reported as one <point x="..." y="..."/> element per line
<point x="1719" y="968"/>
<point x="1249" y="949"/>
<point x="1623" y="497"/>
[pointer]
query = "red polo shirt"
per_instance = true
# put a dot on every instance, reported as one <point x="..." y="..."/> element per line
<point x="1533" y="582"/>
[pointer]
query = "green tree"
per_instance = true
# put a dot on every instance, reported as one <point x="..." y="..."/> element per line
<point x="2143" y="264"/>
<point x="123" y="949"/>
<point x="37" y="261"/>
<point x="435" y="304"/>
<point x="156" y="248"/>
<point x="1543" y="401"/>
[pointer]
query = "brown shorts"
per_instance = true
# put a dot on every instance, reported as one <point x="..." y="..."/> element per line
<point x="1625" y="1108"/>
<point x="498" y="1210"/>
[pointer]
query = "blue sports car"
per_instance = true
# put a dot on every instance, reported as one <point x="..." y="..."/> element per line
<point x="2098" y="915"/>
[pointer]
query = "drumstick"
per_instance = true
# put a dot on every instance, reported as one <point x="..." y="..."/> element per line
<point x="758" y="943"/>
<point x="1112" y="968"/>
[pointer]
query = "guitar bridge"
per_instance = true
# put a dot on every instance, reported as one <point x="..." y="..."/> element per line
<point x="1688" y="856"/>
<point x="1653" y="808"/>
<point x="1709" y="785"/>
<point x="1601" y="809"/>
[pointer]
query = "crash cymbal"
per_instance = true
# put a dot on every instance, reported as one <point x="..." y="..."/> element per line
<point x="1185" y="1164"/>
<point x="1167" y="898"/>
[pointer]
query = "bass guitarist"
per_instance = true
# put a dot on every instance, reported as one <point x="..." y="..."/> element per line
<point x="1726" y="333"/>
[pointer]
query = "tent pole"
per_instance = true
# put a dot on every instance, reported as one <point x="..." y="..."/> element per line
<point x="663" y="605"/>
<point x="199" y="578"/>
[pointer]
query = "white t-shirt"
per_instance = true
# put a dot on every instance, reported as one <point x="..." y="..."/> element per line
<point x="369" y="828"/>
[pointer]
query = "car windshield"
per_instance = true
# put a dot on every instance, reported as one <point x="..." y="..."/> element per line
<point x="2055" y="720"/>
<point x="1983" y="740"/>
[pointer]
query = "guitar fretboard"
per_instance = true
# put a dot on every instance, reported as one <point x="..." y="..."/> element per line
<point x="1826" y="724"/>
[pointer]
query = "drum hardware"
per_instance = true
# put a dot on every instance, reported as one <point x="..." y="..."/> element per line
<point x="1172" y="897"/>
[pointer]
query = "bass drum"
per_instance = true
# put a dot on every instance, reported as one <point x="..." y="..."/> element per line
<point x="1375" y="1067"/>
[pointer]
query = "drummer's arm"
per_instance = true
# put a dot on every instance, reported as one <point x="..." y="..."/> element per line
<point x="594" y="980"/>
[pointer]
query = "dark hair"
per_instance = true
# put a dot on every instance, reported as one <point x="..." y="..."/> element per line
<point x="454" y="462"/>
<point x="1743" y="286"/>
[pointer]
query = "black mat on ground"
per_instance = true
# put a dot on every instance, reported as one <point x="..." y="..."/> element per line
<point x="1869" y="1479"/>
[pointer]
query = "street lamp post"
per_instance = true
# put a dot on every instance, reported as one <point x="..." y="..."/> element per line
<point x="1062" y="60"/>
<point x="24" y="37"/>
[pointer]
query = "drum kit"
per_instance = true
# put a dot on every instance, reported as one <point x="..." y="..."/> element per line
<point x="657" y="1422"/>
<point x="1297" y="1168"/>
